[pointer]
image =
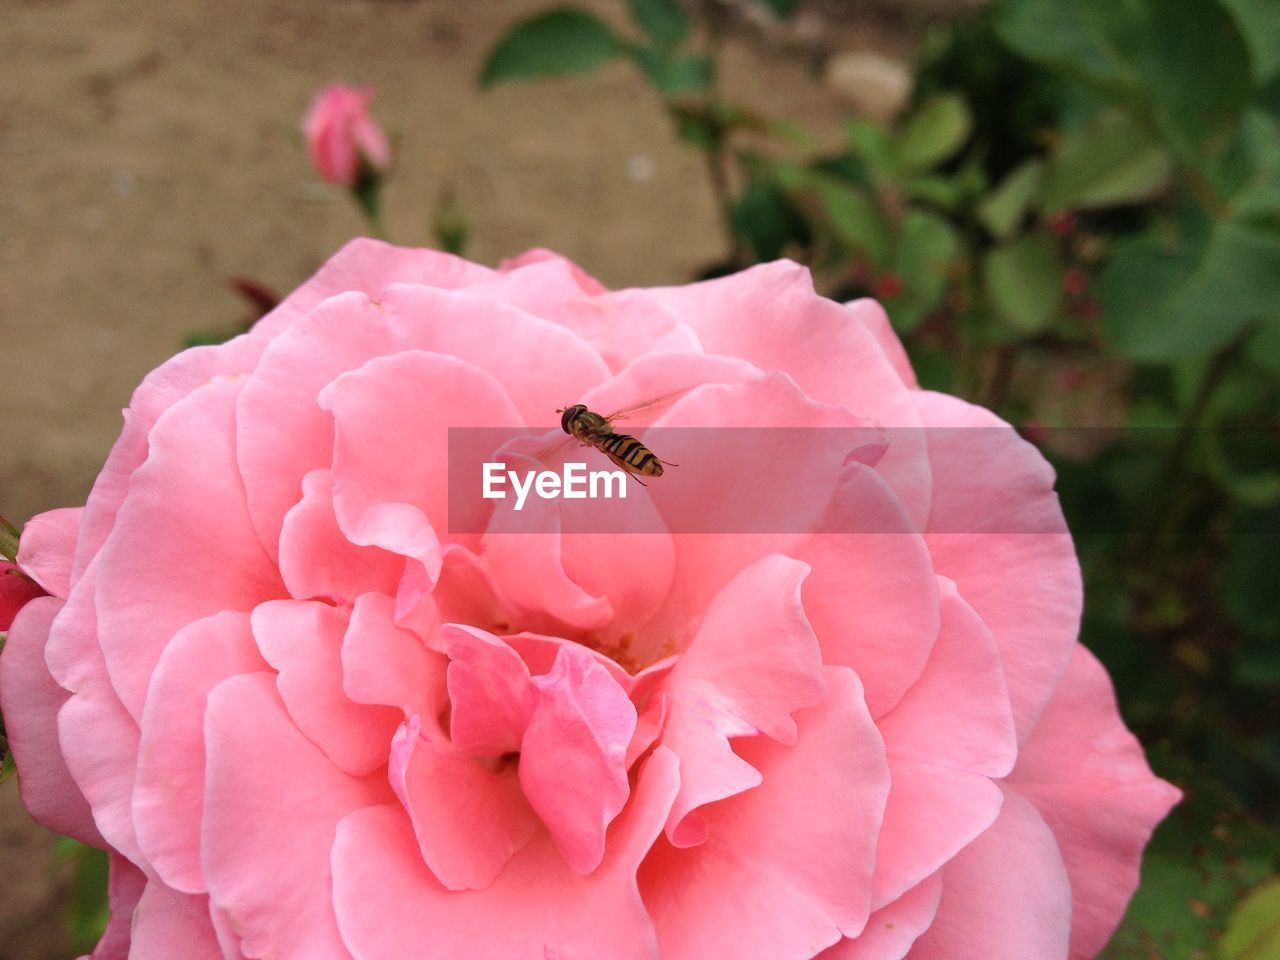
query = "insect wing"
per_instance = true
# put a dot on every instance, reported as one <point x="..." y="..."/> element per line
<point x="657" y="403"/>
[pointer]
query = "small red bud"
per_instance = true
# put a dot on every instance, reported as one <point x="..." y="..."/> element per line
<point x="1075" y="282"/>
<point x="1064" y="223"/>
<point x="886" y="286"/>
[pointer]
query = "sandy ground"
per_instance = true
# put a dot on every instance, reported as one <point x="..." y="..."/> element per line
<point x="148" y="151"/>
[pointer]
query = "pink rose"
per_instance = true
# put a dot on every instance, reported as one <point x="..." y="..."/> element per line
<point x="340" y="133"/>
<point x="309" y="721"/>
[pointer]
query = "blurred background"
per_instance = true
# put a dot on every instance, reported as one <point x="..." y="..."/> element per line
<point x="1070" y="208"/>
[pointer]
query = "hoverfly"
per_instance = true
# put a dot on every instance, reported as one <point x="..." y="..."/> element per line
<point x="593" y="430"/>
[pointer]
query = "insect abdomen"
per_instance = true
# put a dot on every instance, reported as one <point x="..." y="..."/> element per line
<point x="630" y="453"/>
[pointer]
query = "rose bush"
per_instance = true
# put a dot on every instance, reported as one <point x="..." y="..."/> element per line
<point x="309" y="721"/>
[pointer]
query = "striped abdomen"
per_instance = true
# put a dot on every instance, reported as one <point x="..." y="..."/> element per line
<point x="628" y="453"/>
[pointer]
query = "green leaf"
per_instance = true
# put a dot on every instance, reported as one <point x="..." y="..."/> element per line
<point x="1165" y="300"/>
<point x="1263" y="349"/>
<point x="855" y="218"/>
<point x="1250" y="173"/>
<point x="1201" y="861"/>
<point x="925" y="256"/>
<point x="1261" y="30"/>
<point x="1024" y="281"/>
<point x="663" y="20"/>
<point x="934" y="132"/>
<point x="86" y="912"/>
<point x="1078" y="35"/>
<point x="1181" y="62"/>
<point x="1195" y="67"/>
<point x="553" y="43"/>
<point x="675" y="76"/>
<point x="764" y="219"/>
<point x="1253" y="932"/>
<point x="1005" y="207"/>
<point x="1110" y="162"/>
<point x="872" y="145"/>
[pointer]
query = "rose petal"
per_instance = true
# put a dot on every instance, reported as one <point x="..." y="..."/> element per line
<point x="98" y="738"/>
<point x="31" y="700"/>
<point x="814" y="874"/>
<point x="1087" y="776"/>
<point x="753" y="663"/>
<point x="872" y="316"/>
<point x="490" y="691"/>
<point x="125" y="884"/>
<point x="168" y="795"/>
<point x="894" y="927"/>
<point x="47" y="549"/>
<point x="770" y="316"/>
<point x="572" y="755"/>
<point x="161" y="389"/>
<point x="1007" y="891"/>
<point x="1000" y="535"/>
<point x="468" y="819"/>
<point x="872" y="595"/>
<point x="182" y="547"/>
<point x="303" y="639"/>
<point x="383" y="663"/>
<point x="317" y="561"/>
<point x="368" y="266"/>
<point x="167" y="924"/>
<point x="932" y="812"/>
<point x="272" y="802"/>
<point x="537" y="907"/>
<point x="400" y="502"/>
<point x="957" y="714"/>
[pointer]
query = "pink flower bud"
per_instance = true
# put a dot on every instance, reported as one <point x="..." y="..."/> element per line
<point x="16" y="589"/>
<point x="340" y="133"/>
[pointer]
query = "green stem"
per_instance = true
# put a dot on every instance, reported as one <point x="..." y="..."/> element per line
<point x="1172" y="507"/>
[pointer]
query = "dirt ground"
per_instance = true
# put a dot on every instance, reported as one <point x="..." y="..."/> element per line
<point x="148" y="152"/>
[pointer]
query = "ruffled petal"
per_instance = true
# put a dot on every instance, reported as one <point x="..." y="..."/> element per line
<point x="125" y="884"/>
<point x="469" y="818"/>
<point x="31" y="700"/>
<point x="893" y="928"/>
<point x="932" y="812"/>
<point x="957" y="714"/>
<point x="813" y="871"/>
<point x="318" y="562"/>
<point x="390" y="458"/>
<point x="182" y="547"/>
<point x="168" y="794"/>
<point x="537" y="907"/>
<point x="1007" y="891"/>
<point x="47" y="549"/>
<point x="383" y="663"/>
<point x="1000" y="535"/>
<point x="272" y="802"/>
<point x="167" y="924"/>
<point x="303" y="639"/>
<point x="161" y="389"/>
<point x="752" y="665"/>
<point x="573" y="753"/>
<point x="1087" y="776"/>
